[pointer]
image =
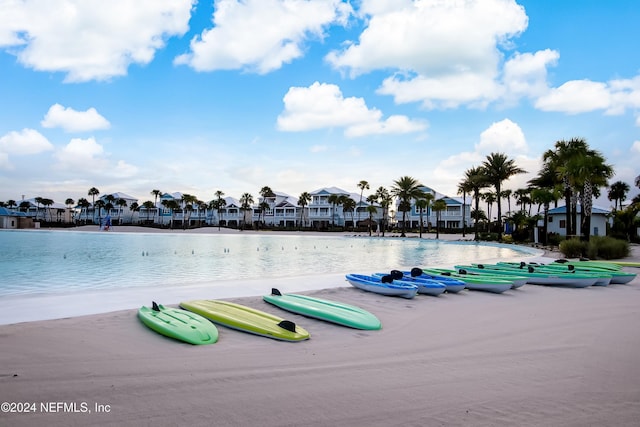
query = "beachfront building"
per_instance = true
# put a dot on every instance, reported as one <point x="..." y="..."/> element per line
<point x="116" y="206"/>
<point x="46" y="210"/>
<point x="327" y="209"/>
<point x="557" y="223"/>
<point x="277" y="210"/>
<point x="12" y="220"/>
<point x="452" y="217"/>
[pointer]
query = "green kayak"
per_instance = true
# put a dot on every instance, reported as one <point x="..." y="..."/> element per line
<point x="330" y="311"/>
<point x="474" y="282"/>
<point x="247" y="319"/>
<point x="178" y="324"/>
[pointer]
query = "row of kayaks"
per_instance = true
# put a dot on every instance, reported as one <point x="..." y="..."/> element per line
<point x="195" y="321"/>
<point x="496" y="278"/>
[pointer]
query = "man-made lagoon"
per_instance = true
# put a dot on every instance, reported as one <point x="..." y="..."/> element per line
<point x="72" y="264"/>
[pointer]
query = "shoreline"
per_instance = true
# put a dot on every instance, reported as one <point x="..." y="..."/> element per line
<point x="529" y="357"/>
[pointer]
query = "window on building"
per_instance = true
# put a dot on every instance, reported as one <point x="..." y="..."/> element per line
<point x="563" y="223"/>
<point x="549" y="218"/>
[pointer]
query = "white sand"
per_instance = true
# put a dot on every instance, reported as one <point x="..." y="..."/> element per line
<point x="536" y="356"/>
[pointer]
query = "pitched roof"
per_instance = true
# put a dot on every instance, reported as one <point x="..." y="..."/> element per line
<point x="594" y="211"/>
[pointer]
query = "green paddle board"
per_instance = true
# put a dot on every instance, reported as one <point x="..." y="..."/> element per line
<point x="178" y="324"/>
<point x="247" y="319"/>
<point x="330" y="311"/>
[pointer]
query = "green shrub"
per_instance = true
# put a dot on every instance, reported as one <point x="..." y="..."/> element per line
<point x="598" y="247"/>
<point x="573" y="248"/>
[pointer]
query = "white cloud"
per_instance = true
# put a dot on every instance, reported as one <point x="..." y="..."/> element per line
<point x="74" y="121"/>
<point x="87" y="156"/>
<point x="443" y="92"/>
<point x="635" y="148"/>
<point x="526" y="74"/>
<point x="576" y="96"/>
<point x="503" y="136"/>
<point x="87" y="39"/>
<point x="261" y="35"/>
<point x="323" y="105"/>
<point x="4" y="162"/>
<point x="27" y="141"/>
<point x="446" y="54"/>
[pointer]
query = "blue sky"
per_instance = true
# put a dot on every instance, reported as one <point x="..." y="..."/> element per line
<point x="199" y="96"/>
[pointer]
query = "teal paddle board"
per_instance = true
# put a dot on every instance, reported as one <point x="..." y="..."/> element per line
<point x="247" y="319"/>
<point x="330" y="311"/>
<point x="178" y="324"/>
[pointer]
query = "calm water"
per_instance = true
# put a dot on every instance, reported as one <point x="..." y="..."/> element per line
<point x="52" y="262"/>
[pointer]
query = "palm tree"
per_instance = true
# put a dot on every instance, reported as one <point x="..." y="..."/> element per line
<point x="218" y="204"/>
<point x="544" y="197"/>
<point x="499" y="168"/>
<point x="406" y="189"/>
<point x="156" y="194"/>
<point x="98" y="205"/>
<point x="134" y="207"/>
<point x="93" y="192"/>
<point x="349" y="205"/>
<point x="384" y="199"/>
<point x="371" y="209"/>
<point x="556" y="160"/>
<point x="362" y="185"/>
<point x="121" y="203"/>
<point x="264" y="205"/>
<point x="38" y="201"/>
<point x="303" y="201"/>
<point x="588" y="172"/>
<point x="465" y="188"/>
<point x="438" y="206"/>
<point x="618" y="193"/>
<point x="148" y="205"/>
<point x="335" y="200"/>
<point x="84" y="205"/>
<point x="421" y="206"/>
<point x="490" y="199"/>
<point x="47" y="203"/>
<point x="475" y="181"/>
<point x="187" y="201"/>
<point x="246" y="200"/>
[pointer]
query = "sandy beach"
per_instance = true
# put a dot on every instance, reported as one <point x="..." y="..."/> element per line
<point x="535" y="356"/>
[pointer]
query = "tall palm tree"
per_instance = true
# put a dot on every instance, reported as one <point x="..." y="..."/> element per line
<point x="349" y="205"/>
<point x="556" y="160"/>
<point x="490" y="199"/>
<point x="464" y="188"/>
<point x="246" y="200"/>
<point x="589" y="172"/>
<point x="476" y="181"/>
<point x="188" y="201"/>
<point x="47" y="207"/>
<point x="618" y="193"/>
<point x="438" y="206"/>
<point x="99" y="205"/>
<point x="133" y="207"/>
<point x="499" y="168"/>
<point x="544" y="196"/>
<point x="121" y="203"/>
<point x="38" y="201"/>
<point x="156" y="194"/>
<point x="148" y="205"/>
<point x="218" y="204"/>
<point x="384" y="198"/>
<point x="303" y="201"/>
<point x="336" y="200"/>
<point x="93" y="192"/>
<point x="84" y="204"/>
<point x="421" y="206"/>
<point x="362" y="185"/>
<point x="371" y="209"/>
<point x="265" y="192"/>
<point x="406" y="189"/>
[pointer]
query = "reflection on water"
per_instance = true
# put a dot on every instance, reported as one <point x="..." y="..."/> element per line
<point x="49" y="262"/>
